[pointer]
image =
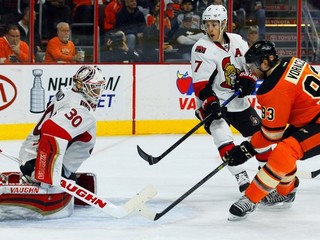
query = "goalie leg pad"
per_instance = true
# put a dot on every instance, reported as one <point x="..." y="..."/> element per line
<point x="49" y="159"/>
<point x="10" y="177"/>
<point x="29" y="201"/>
<point x="87" y="181"/>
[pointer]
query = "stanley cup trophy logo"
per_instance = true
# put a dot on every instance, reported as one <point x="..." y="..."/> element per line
<point x="37" y="101"/>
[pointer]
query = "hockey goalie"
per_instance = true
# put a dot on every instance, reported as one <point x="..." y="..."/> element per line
<point x="54" y="150"/>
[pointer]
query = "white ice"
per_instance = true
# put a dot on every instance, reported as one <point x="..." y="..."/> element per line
<point x="121" y="173"/>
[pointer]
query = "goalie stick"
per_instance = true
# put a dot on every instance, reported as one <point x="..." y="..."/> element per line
<point x="153" y="160"/>
<point x="146" y="212"/>
<point x="94" y="200"/>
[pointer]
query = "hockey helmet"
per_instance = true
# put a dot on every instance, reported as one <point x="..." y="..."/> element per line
<point x="90" y="81"/>
<point x="215" y="12"/>
<point x="260" y="51"/>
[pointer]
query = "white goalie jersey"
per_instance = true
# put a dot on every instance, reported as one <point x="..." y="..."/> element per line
<point x="71" y="118"/>
<point x="220" y="65"/>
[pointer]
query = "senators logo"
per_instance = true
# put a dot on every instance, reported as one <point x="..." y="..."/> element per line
<point x="230" y="73"/>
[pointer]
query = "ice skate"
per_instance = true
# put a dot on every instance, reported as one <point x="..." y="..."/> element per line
<point x="243" y="180"/>
<point x="274" y="200"/>
<point x="240" y="209"/>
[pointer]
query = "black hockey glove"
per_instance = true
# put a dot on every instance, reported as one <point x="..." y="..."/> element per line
<point x="239" y="154"/>
<point x="28" y="167"/>
<point x="247" y="82"/>
<point x="212" y="106"/>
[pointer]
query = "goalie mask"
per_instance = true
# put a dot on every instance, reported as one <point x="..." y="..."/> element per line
<point x="215" y="13"/>
<point x="260" y="51"/>
<point x="90" y="81"/>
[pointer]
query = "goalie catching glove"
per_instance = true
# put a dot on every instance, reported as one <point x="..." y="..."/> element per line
<point x="239" y="154"/>
<point x="246" y="82"/>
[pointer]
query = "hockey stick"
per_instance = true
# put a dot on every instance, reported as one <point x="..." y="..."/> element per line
<point x="308" y="175"/>
<point x="146" y="212"/>
<point x="153" y="160"/>
<point x="94" y="200"/>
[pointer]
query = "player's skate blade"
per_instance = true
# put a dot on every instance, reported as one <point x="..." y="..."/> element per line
<point x="274" y="200"/>
<point x="234" y="218"/>
<point x="275" y="206"/>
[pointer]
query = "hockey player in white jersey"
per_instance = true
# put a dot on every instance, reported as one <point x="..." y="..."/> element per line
<point x="217" y="61"/>
<point x="65" y="134"/>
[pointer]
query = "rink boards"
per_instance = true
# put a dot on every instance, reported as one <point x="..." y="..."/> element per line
<point x="139" y="99"/>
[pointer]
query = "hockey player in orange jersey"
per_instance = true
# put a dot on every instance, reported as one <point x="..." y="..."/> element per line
<point x="290" y="107"/>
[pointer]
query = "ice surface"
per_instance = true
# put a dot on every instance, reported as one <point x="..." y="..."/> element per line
<point x="121" y="173"/>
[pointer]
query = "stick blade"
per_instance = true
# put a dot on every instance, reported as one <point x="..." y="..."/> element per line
<point x="138" y="201"/>
<point x="147" y="213"/>
<point x="150" y="159"/>
<point x="308" y="174"/>
<point x="315" y="173"/>
<point x="304" y="174"/>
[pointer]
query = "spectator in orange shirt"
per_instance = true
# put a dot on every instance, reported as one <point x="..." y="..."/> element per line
<point x="60" y="49"/>
<point x="12" y="49"/>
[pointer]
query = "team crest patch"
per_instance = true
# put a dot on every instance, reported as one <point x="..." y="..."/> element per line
<point x="255" y="121"/>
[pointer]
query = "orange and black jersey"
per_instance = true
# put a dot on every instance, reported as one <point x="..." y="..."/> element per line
<point x="290" y="95"/>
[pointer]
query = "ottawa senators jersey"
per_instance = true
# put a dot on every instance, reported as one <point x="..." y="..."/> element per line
<point x="72" y="113"/>
<point x="218" y="65"/>
<point x="290" y="95"/>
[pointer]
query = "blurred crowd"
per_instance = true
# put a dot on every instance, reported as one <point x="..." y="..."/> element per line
<point x="138" y="24"/>
<point x="128" y="29"/>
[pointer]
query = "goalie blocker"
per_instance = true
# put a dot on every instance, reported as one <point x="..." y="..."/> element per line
<point x="20" y="200"/>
